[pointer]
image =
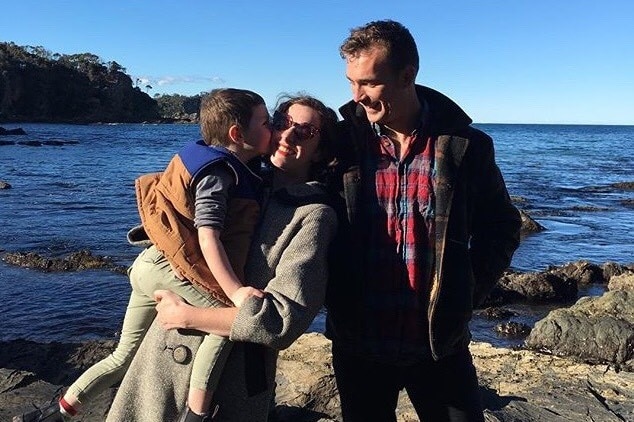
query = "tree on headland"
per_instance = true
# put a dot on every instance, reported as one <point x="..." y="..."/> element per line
<point x="178" y="107"/>
<point x="114" y="67"/>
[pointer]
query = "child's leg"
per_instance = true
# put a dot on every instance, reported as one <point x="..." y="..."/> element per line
<point x="105" y="373"/>
<point x="138" y="318"/>
<point x="206" y="371"/>
<point x="208" y="364"/>
<point x="212" y="353"/>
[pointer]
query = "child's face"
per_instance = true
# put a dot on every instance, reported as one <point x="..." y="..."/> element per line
<point x="257" y="137"/>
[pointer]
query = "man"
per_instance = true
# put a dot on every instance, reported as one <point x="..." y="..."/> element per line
<point x="427" y="229"/>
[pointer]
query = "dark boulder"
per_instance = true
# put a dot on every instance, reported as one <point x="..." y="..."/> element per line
<point x="626" y="186"/>
<point x="31" y="143"/>
<point x="512" y="329"/>
<point x="16" y="131"/>
<point x="77" y="261"/>
<point x="595" y="329"/>
<point x="494" y="312"/>
<point x="582" y="271"/>
<point x="610" y="269"/>
<point x="529" y="225"/>
<point x="538" y="287"/>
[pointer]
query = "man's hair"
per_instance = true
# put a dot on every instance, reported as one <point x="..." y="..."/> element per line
<point x="392" y="36"/>
<point x="328" y="122"/>
<point x="224" y="107"/>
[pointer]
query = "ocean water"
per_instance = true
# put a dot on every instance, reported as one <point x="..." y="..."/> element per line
<point x="80" y="195"/>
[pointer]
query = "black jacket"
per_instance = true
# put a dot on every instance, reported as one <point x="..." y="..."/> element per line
<point x="477" y="228"/>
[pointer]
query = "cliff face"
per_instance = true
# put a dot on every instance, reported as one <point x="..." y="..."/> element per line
<point x="37" y="86"/>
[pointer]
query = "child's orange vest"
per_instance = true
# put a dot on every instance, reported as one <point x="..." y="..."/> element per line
<point x="166" y="205"/>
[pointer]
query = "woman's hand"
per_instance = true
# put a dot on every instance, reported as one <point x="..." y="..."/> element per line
<point x="172" y="310"/>
<point x="240" y="295"/>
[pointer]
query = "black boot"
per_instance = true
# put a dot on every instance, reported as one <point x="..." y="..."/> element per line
<point x="49" y="413"/>
<point x="188" y="416"/>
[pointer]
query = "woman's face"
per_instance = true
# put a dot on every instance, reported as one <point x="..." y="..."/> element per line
<point x="295" y="139"/>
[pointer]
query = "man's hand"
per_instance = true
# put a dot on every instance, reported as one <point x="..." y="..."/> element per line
<point x="240" y="295"/>
<point x="172" y="310"/>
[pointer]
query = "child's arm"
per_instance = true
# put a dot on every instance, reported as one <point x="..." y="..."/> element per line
<point x="216" y="258"/>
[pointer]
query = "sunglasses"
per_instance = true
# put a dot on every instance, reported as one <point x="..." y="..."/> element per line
<point x="303" y="131"/>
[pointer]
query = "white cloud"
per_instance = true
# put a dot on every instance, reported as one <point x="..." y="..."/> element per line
<point x="179" y="80"/>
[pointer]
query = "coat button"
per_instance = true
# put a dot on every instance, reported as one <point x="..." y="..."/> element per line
<point x="181" y="354"/>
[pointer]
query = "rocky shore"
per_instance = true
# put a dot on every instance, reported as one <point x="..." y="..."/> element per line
<point x="577" y="364"/>
<point x="516" y="385"/>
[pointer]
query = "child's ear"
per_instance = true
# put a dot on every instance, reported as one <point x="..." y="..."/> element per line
<point x="235" y="134"/>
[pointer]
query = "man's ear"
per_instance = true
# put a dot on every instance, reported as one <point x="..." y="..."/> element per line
<point x="408" y="75"/>
<point x="235" y="134"/>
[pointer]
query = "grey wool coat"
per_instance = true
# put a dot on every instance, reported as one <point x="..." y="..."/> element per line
<point x="287" y="260"/>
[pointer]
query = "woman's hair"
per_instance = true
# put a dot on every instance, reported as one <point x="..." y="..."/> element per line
<point x="224" y="107"/>
<point x="328" y="118"/>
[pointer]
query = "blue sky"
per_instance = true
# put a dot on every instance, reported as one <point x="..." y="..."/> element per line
<point x="505" y="61"/>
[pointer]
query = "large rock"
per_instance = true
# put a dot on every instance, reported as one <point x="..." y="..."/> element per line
<point x="529" y="225"/>
<point x="525" y="386"/>
<point x="76" y="261"/>
<point x="536" y="287"/>
<point x="14" y="131"/>
<point x="610" y="269"/>
<point x="307" y="360"/>
<point x="624" y="281"/>
<point x="597" y="329"/>
<point x="34" y="374"/>
<point x="555" y="285"/>
<point x="583" y="272"/>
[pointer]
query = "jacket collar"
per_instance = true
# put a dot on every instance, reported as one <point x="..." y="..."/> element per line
<point x="444" y="115"/>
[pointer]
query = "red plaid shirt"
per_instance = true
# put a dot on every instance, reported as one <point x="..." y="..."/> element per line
<point x="399" y="199"/>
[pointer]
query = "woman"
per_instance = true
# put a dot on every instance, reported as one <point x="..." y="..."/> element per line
<point x="287" y="260"/>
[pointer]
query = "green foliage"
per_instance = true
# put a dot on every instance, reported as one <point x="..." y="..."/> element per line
<point x="37" y="85"/>
<point x="179" y="107"/>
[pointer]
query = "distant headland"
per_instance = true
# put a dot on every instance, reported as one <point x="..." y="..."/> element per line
<point x="39" y="86"/>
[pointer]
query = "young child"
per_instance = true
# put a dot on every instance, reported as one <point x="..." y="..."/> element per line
<point x="199" y="214"/>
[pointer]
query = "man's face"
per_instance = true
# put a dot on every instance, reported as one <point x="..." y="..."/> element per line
<point x="375" y="85"/>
